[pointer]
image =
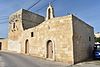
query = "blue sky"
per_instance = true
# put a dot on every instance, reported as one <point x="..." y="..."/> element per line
<point x="87" y="10"/>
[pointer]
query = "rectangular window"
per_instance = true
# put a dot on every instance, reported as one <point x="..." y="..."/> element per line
<point x="13" y="25"/>
<point x="0" y="45"/>
<point x="89" y="38"/>
<point x="32" y="34"/>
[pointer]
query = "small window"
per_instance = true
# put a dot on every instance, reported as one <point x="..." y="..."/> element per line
<point x="32" y="34"/>
<point x="48" y="27"/>
<point x="0" y="42"/>
<point x="0" y="45"/>
<point x="16" y="20"/>
<point x="89" y="38"/>
<point x="13" y="25"/>
<point x="49" y="13"/>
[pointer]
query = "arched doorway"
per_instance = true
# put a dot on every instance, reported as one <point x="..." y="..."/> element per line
<point x="49" y="12"/>
<point x="26" y="46"/>
<point x="0" y="45"/>
<point x="50" y="49"/>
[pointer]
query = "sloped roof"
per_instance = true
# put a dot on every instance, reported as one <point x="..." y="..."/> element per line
<point x="30" y="19"/>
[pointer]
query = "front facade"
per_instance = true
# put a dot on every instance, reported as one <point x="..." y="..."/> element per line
<point x="83" y="40"/>
<point x="52" y="39"/>
<point x="66" y="39"/>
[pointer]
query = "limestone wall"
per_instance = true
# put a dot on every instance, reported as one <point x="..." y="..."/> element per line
<point x="59" y="31"/>
<point x="83" y="40"/>
<point x="21" y="20"/>
<point x="15" y="25"/>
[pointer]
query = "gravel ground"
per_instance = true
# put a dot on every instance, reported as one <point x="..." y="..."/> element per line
<point x="8" y="59"/>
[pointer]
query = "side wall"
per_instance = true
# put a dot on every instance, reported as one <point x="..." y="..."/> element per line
<point x="83" y="40"/>
<point x="59" y="31"/>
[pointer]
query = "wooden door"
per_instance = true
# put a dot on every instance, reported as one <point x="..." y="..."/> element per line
<point x="49" y="49"/>
<point x="26" y="46"/>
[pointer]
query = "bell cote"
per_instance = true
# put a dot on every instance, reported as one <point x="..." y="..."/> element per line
<point x="50" y="12"/>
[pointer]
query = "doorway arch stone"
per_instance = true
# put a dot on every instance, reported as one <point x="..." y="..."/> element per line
<point x="27" y="46"/>
<point x="50" y="50"/>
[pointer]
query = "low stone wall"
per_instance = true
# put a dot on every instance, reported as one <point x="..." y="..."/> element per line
<point x="4" y="44"/>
